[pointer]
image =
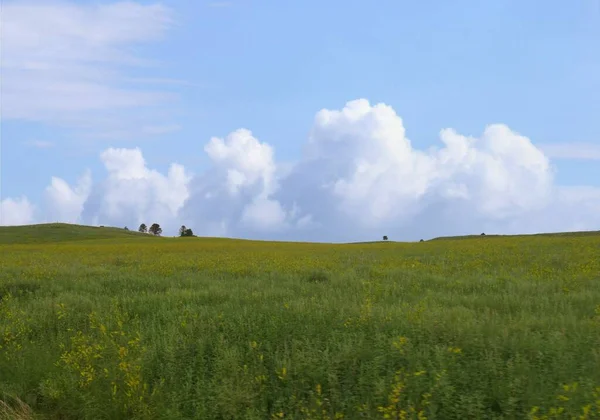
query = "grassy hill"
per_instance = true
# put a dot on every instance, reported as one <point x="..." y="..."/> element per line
<point x="62" y="232"/>
<point x="553" y="234"/>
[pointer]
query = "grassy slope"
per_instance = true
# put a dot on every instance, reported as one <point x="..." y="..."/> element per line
<point x="219" y="319"/>
<point x="62" y="232"/>
<point x="548" y="235"/>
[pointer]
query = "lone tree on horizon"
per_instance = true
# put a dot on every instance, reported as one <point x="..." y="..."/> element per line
<point x="143" y="228"/>
<point x="385" y="238"/>
<point x="155" y="229"/>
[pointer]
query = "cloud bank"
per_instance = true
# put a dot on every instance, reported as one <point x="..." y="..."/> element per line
<point x="359" y="178"/>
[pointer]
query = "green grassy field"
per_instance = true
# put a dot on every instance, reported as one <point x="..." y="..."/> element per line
<point x="99" y="323"/>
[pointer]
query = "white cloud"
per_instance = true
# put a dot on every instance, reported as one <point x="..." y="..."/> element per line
<point x="232" y="197"/>
<point x="505" y="174"/>
<point x="244" y="159"/>
<point x="65" y="63"/>
<point x="359" y="178"/>
<point x="578" y="151"/>
<point x="264" y="215"/>
<point x="361" y="175"/>
<point x="18" y="211"/>
<point x="64" y="203"/>
<point x="133" y="194"/>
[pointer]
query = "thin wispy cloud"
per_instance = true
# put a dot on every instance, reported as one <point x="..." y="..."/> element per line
<point x="66" y="63"/>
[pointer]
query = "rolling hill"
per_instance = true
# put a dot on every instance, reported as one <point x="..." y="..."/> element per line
<point x="62" y="232"/>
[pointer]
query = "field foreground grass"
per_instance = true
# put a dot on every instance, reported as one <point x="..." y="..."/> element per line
<point x="133" y="327"/>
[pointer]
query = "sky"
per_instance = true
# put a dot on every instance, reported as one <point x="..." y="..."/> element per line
<point x="312" y="121"/>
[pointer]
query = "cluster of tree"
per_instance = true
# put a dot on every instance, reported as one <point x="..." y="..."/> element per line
<point x="155" y="229"/>
<point x="183" y="231"/>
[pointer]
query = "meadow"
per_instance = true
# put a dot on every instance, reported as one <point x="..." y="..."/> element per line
<point x="107" y="324"/>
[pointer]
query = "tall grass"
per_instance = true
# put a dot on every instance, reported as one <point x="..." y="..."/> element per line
<point x="14" y="409"/>
<point x="488" y="328"/>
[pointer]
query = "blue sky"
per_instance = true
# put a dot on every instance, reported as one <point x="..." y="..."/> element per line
<point x="167" y="78"/>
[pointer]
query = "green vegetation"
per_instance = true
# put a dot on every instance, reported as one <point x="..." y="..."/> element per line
<point x="557" y="234"/>
<point x="61" y="232"/>
<point x="102" y="323"/>
<point x="183" y="231"/>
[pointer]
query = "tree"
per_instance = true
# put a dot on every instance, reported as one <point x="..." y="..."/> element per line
<point x="125" y="228"/>
<point x="155" y="229"/>
<point x="143" y="228"/>
<point x="385" y="238"/>
<point x="183" y="231"/>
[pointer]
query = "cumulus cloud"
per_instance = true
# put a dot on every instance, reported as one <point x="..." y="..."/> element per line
<point x="65" y="63"/>
<point x="244" y="161"/>
<point x="359" y="178"/>
<point x="64" y="203"/>
<point x="18" y="211"/>
<point x="132" y="193"/>
<point x="361" y="171"/>
<point x="232" y="197"/>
